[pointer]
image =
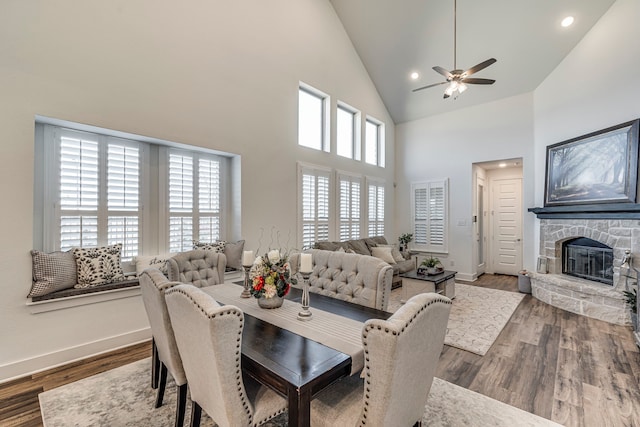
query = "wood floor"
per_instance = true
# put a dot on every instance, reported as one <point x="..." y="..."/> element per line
<point x="568" y="368"/>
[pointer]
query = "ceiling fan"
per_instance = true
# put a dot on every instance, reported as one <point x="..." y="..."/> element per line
<point x="458" y="79"/>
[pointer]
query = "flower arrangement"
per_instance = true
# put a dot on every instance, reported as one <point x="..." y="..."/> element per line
<point x="270" y="275"/>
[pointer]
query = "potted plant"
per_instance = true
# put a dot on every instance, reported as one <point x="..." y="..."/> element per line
<point x="432" y="265"/>
<point x="404" y="240"/>
<point x="631" y="298"/>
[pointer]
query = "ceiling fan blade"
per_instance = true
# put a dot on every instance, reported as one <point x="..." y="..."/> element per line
<point x="480" y="66"/>
<point x="442" y="71"/>
<point x="428" y="86"/>
<point x="476" y="81"/>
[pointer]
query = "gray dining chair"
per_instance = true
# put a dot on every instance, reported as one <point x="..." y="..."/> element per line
<point x="198" y="267"/>
<point x="209" y="338"/>
<point x="401" y="355"/>
<point x="153" y="285"/>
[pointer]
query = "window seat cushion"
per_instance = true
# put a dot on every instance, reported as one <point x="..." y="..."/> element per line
<point x="82" y="291"/>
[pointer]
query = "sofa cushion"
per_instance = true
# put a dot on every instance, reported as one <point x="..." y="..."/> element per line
<point x="359" y="247"/>
<point x="383" y="253"/>
<point x="98" y="266"/>
<point x="397" y="256"/>
<point x="52" y="272"/>
<point x="327" y="246"/>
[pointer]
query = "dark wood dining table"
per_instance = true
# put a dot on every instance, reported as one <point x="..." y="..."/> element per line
<point x="295" y="366"/>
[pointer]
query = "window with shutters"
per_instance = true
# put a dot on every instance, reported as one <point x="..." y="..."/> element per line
<point x="375" y="208"/>
<point x="429" y="204"/>
<point x="347" y="131"/>
<point x="314" y="187"/>
<point x="93" y="189"/>
<point x="96" y="191"/>
<point x="193" y="191"/>
<point x="313" y="122"/>
<point x="374" y="142"/>
<point x="349" y="207"/>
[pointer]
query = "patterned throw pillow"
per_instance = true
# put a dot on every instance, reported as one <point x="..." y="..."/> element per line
<point x="52" y="272"/>
<point x="98" y="266"/>
<point x="215" y="246"/>
<point x="153" y="261"/>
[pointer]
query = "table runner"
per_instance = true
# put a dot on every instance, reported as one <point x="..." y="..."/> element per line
<point x="338" y="332"/>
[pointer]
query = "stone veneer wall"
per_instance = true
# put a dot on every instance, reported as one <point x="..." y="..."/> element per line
<point x="577" y="295"/>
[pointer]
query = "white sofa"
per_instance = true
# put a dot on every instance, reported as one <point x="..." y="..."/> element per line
<point x="356" y="278"/>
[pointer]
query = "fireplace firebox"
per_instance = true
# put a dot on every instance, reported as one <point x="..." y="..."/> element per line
<point x="588" y="259"/>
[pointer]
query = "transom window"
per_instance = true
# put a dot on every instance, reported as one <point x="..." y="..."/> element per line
<point x="312" y="118"/>
<point x="374" y="142"/>
<point x="347" y="132"/>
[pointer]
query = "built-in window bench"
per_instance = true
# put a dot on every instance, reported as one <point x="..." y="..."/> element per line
<point x="67" y="298"/>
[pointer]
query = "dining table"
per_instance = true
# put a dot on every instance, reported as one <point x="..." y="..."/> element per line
<point x="279" y="353"/>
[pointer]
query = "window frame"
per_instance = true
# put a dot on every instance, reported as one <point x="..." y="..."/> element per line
<point x="428" y="245"/>
<point x="380" y="224"/>
<point x="356" y="138"/>
<point x="325" y="137"/>
<point x="380" y="144"/>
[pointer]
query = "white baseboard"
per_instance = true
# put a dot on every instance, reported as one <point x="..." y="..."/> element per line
<point x="466" y="277"/>
<point x="54" y="359"/>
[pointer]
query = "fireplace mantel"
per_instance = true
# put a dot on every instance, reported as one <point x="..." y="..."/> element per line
<point x="595" y="211"/>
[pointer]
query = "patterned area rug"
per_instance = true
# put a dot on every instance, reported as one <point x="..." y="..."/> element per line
<point x="123" y="397"/>
<point x="478" y="315"/>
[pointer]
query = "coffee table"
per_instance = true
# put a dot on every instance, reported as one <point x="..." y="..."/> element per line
<point x="414" y="284"/>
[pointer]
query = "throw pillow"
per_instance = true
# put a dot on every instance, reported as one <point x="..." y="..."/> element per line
<point x="233" y="251"/>
<point x="359" y="247"/>
<point x="52" y="272"/>
<point x="383" y="253"/>
<point x="98" y="266"/>
<point x="394" y="252"/>
<point x="152" y="261"/>
<point x="215" y="246"/>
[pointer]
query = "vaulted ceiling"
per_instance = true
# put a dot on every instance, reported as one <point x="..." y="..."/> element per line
<point x="397" y="37"/>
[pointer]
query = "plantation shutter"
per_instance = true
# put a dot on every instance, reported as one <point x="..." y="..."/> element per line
<point x="376" y="209"/>
<point x="180" y="202"/>
<point x="123" y="197"/>
<point x="430" y="223"/>
<point x="349" y="207"/>
<point x="314" y="191"/>
<point x="79" y="190"/>
<point x="209" y="199"/>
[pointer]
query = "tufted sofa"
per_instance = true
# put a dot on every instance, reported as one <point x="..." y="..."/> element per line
<point x="199" y="267"/>
<point x="356" y="278"/>
<point x="363" y="247"/>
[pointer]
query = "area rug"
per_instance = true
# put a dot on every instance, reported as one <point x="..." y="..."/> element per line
<point x="477" y="317"/>
<point x="123" y="397"/>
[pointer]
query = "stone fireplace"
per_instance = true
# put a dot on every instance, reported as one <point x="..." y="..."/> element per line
<point x="593" y="285"/>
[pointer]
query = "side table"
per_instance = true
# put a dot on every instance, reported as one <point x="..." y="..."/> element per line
<point x="414" y="284"/>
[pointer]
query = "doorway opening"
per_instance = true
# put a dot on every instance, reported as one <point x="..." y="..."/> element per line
<point x="497" y="217"/>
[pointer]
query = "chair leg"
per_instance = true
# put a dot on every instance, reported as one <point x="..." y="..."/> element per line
<point x="155" y="364"/>
<point x="182" y="405"/>
<point x="161" y="385"/>
<point x="196" y="413"/>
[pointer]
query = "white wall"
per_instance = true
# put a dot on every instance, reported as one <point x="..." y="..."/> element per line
<point x="446" y="146"/>
<point x="596" y="86"/>
<point x="221" y="75"/>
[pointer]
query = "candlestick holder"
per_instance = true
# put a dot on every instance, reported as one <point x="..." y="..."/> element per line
<point x="305" y="314"/>
<point x="245" y="292"/>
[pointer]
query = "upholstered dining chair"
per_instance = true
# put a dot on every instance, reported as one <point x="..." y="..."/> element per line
<point x="401" y="355"/>
<point x="209" y="337"/>
<point x="153" y="285"/>
<point x="198" y="267"/>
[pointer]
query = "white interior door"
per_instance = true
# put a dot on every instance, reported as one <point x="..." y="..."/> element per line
<point x="507" y="226"/>
<point x="480" y="217"/>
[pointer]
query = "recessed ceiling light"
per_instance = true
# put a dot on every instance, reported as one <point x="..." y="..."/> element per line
<point x="567" y="21"/>
<point x="502" y="165"/>
<point x="414" y="76"/>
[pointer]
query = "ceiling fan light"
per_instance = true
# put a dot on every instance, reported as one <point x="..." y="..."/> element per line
<point x="449" y="90"/>
<point x="462" y="87"/>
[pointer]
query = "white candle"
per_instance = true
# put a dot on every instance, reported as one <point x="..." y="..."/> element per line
<point x="306" y="263"/>
<point x="247" y="258"/>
